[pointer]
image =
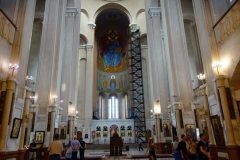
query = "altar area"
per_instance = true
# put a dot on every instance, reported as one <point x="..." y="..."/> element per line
<point x="102" y="130"/>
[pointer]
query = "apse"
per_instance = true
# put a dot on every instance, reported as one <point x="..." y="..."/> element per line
<point x="112" y="66"/>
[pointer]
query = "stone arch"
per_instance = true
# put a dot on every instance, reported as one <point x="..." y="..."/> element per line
<point x="115" y="6"/>
<point x="139" y="12"/>
<point x="83" y="40"/>
<point x="234" y="82"/>
<point x="85" y="12"/>
<point x="189" y="17"/>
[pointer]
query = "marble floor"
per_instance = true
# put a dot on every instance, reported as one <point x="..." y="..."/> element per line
<point x="102" y="151"/>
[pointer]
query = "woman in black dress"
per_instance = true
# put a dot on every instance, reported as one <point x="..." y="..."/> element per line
<point x="201" y="149"/>
<point x="151" y="148"/>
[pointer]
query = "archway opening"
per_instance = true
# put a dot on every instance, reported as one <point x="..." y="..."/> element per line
<point x="112" y="61"/>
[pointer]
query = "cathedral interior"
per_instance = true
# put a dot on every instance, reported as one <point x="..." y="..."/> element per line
<point x="138" y="68"/>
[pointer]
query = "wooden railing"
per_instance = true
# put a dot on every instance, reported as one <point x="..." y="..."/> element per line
<point x="228" y="23"/>
<point x="7" y="28"/>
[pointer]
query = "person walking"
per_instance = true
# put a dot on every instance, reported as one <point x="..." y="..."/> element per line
<point x="201" y="149"/>
<point x="151" y="148"/>
<point x="82" y="148"/>
<point x="32" y="150"/>
<point x="182" y="147"/>
<point x="75" y="146"/>
<point x="140" y="144"/>
<point x="55" y="149"/>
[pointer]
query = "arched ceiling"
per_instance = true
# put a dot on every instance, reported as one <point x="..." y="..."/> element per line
<point x="111" y="19"/>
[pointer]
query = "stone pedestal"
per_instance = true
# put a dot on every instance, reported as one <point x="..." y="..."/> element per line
<point x="221" y="87"/>
<point x="30" y="116"/>
<point x="11" y="84"/>
<point x="177" y="108"/>
<point x="53" y="108"/>
<point x="71" y="127"/>
<point x="24" y="117"/>
<point x="207" y="113"/>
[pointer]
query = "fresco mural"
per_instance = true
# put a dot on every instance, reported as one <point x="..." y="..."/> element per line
<point x="112" y="52"/>
<point x="110" y="83"/>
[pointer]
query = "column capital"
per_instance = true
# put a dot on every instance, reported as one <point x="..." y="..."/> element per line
<point x="177" y="105"/>
<point x="203" y="112"/>
<point x="89" y="47"/>
<point x="196" y="104"/>
<point x="72" y="117"/>
<point x="219" y="80"/>
<point x="92" y="26"/>
<point x="33" y="107"/>
<point x="60" y="110"/>
<point x="71" y="12"/>
<point x="53" y="107"/>
<point x="11" y="83"/>
<point x="133" y="27"/>
<point x="154" y="11"/>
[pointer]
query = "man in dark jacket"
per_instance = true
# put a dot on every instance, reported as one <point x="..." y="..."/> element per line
<point x="182" y="147"/>
<point x="82" y="149"/>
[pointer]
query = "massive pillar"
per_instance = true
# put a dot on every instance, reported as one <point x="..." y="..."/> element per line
<point x="68" y="76"/>
<point x="177" y="118"/>
<point x="32" y="109"/>
<point x="89" y="84"/>
<point x="206" y="108"/>
<point x="11" y="85"/>
<point x="228" y="123"/>
<point x="158" y="90"/>
<point x="24" y="117"/>
<point x="199" y="120"/>
<point x="71" y="127"/>
<point x="207" y="41"/>
<point x="53" y="109"/>
<point x="179" y="77"/>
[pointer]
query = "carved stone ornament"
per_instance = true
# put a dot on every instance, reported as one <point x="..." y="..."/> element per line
<point x="71" y="11"/>
<point x="154" y="11"/>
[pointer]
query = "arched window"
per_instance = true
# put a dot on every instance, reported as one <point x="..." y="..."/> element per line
<point x="101" y="105"/>
<point x="113" y="110"/>
<point x="125" y="109"/>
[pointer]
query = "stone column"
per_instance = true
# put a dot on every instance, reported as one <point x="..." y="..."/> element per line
<point x="156" y="126"/>
<point x="177" y="115"/>
<point x="89" y="83"/>
<point x="30" y="116"/>
<point x="11" y="85"/>
<point x="25" y="117"/>
<point x="206" y="108"/>
<point x="228" y="123"/>
<point x="60" y="115"/>
<point x="22" y="40"/>
<point x="53" y="108"/>
<point x="71" y="127"/>
<point x="198" y="117"/>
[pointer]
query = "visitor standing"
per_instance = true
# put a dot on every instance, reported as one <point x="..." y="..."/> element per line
<point x="55" y="149"/>
<point x="75" y="146"/>
<point x="182" y="147"/>
<point x="68" y="154"/>
<point x="82" y="148"/>
<point x="151" y="148"/>
<point x="32" y="150"/>
<point x="175" y="152"/>
<point x="140" y="144"/>
<point x="201" y="149"/>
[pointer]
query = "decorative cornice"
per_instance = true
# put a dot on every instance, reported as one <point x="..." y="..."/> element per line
<point x="71" y="12"/>
<point x="154" y="11"/>
<point x="89" y="47"/>
<point x="92" y="26"/>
